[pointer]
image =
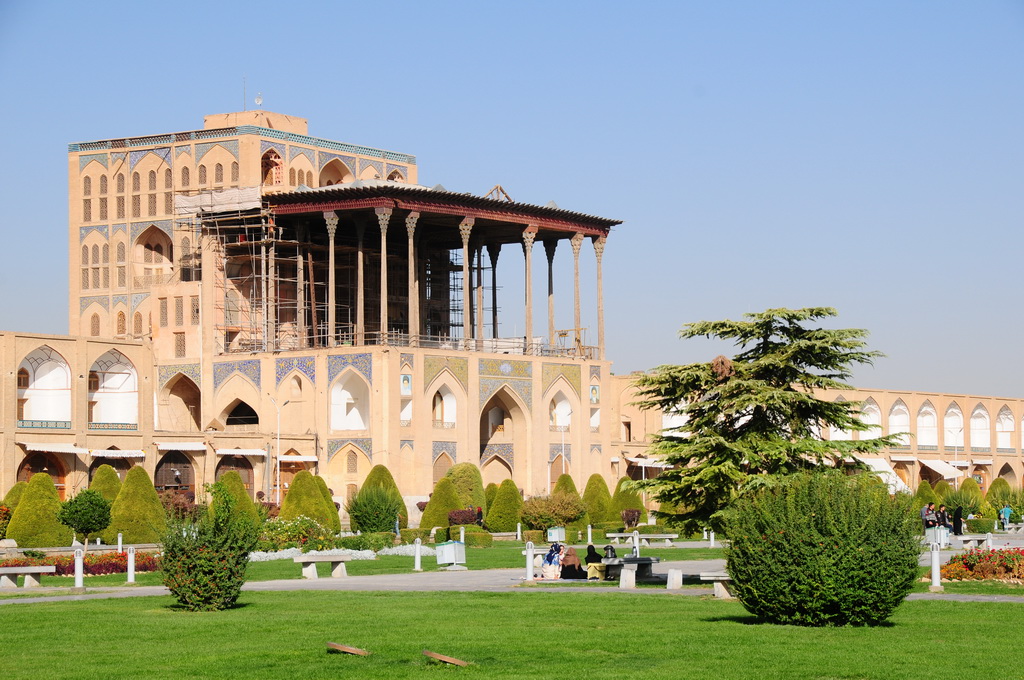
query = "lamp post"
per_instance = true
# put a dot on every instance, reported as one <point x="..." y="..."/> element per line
<point x="956" y="458"/>
<point x="274" y="402"/>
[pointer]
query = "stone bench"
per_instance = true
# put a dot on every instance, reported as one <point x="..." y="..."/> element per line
<point x="973" y="540"/>
<point x="9" y="575"/>
<point x="721" y="582"/>
<point x="309" y="563"/>
<point x="644" y="538"/>
<point x="643" y="566"/>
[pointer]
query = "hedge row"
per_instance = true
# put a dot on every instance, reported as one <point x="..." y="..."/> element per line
<point x="93" y="563"/>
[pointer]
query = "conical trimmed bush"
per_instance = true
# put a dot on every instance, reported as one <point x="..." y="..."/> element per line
<point x="14" y="495"/>
<point x="332" y="511"/>
<point x="243" y="505"/>
<point x="444" y="499"/>
<point x="597" y="498"/>
<point x="305" y="499"/>
<point x="34" y="523"/>
<point x="504" y="512"/>
<point x="137" y="513"/>
<point x="469" y="485"/>
<point x="381" y="476"/>
<point x="106" y="482"/>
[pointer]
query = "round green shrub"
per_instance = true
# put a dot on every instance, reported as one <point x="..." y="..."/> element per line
<point x="597" y="498"/>
<point x="410" y="535"/>
<point x="468" y="484"/>
<point x="626" y="499"/>
<point x="925" y="495"/>
<point x="137" y="513"/>
<point x="942" y="488"/>
<point x="34" y="523"/>
<point x="556" y="510"/>
<point x="970" y="486"/>
<point x="304" y="499"/>
<point x="243" y="506"/>
<point x="14" y="495"/>
<point x="444" y="499"/>
<point x="564" y="484"/>
<point x="373" y="509"/>
<point x="535" y="535"/>
<point x="479" y="540"/>
<point x="332" y="509"/>
<point x="490" y="491"/>
<point x="370" y="541"/>
<point x="822" y="549"/>
<point x="106" y="482"/>
<point x="381" y="476"/>
<point x="505" y="510"/>
<point x="86" y="514"/>
<point x="999" y="492"/>
<point x="278" y="534"/>
<point x="981" y="525"/>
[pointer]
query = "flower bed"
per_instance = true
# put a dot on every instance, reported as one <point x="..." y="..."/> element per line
<point x="978" y="564"/>
<point x="93" y="563"/>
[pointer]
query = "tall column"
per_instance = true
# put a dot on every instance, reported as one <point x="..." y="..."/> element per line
<point x="549" y="249"/>
<point x="300" y="298"/>
<point x="599" y="254"/>
<point x="413" y="296"/>
<point x="465" y="229"/>
<point x="360" y="286"/>
<point x="528" y="237"/>
<point x="331" y="218"/>
<point x="493" y="250"/>
<point x="577" y="243"/>
<point x="383" y="218"/>
<point x="479" y="292"/>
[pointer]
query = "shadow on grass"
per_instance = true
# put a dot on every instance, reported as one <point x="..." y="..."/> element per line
<point x="178" y="607"/>
<point x="751" y="620"/>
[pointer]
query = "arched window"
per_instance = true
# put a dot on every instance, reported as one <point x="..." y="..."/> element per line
<point x="168" y="179"/>
<point x="184" y="177"/>
<point x="899" y="422"/>
<point x="136" y="182"/>
<point x="242" y="416"/>
<point x="218" y="174"/>
<point x="120" y="252"/>
<point x="120" y="183"/>
<point x="444" y="408"/>
<point x="94" y="381"/>
<point x="95" y="254"/>
<point x="352" y="463"/>
<point x="85" y="256"/>
<point x="103" y="185"/>
<point x="291" y="176"/>
<point x="981" y="435"/>
<point x="22" y="379"/>
<point x="137" y="324"/>
<point x="350" y="403"/>
<point x="94" y="325"/>
<point x="87" y="186"/>
<point x="234" y="172"/>
<point x="441" y="466"/>
<point x="559" y="413"/>
<point x="271" y="167"/>
<point x="202" y="175"/>
<point x="953" y="423"/>
<point x="106" y="254"/>
<point x="121" y="324"/>
<point x="152" y="180"/>
<point x="871" y="416"/>
<point x="1004" y="429"/>
<point x="927" y="426"/>
<point x="835" y="434"/>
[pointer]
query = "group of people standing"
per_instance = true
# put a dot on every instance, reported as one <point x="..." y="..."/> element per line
<point x="931" y="518"/>
<point x="563" y="562"/>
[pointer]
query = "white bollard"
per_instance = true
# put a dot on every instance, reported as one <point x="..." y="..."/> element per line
<point x="590" y="535"/>
<point x="119" y="548"/>
<point x="131" y="564"/>
<point x="936" y="586"/>
<point x="675" y="579"/>
<point x="529" y="560"/>
<point x="711" y="537"/>
<point x="519" y="531"/>
<point x="627" y="578"/>
<point x="462" y="534"/>
<point x="417" y="564"/>
<point x="705" y="533"/>
<point x="988" y="541"/>
<point x="79" y="569"/>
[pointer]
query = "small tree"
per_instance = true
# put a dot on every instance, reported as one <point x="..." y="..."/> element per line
<point x="504" y="512"/>
<point x="469" y="485"/>
<point x="381" y="476"/>
<point x="756" y="416"/>
<point x="243" y="507"/>
<point x="444" y="499"/>
<point x="373" y="509"/>
<point x="304" y="499"/>
<point x="332" y="509"/>
<point x="34" y="523"/>
<point x="14" y="495"/>
<point x="137" y="513"/>
<point x="597" y="499"/>
<point x="106" y="482"/>
<point x="87" y="513"/>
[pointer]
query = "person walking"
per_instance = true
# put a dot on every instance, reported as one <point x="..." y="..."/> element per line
<point x="1004" y="515"/>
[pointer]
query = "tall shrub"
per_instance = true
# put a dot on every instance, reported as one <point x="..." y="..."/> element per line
<point x="544" y="512"/>
<point x="822" y="549"/>
<point x="305" y="499"/>
<point x="332" y="509"/>
<point x="14" y="495"/>
<point x="490" y="491"/>
<point x="999" y="493"/>
<point x="597" y="499"/>
<point x="106" y="482"/>
<point x="444" y="499"/>
<point x="468" y="484"/>
<point x="505" y="510"/>
<point x="373" y="509"/>
<point x="137" y="513"/>
<point x="204" y="564"/>
<point x="970" y="502"/>
<point x="925" y="494"/>
<point x="942" y="488"/>
<point x="626" y="499"/>
<point x="970" y="486"/>
<point x="34" y="523"/>
<point x="381" y="476"/>
<point x="243" y="506"/>
<point x="564" y="484"/>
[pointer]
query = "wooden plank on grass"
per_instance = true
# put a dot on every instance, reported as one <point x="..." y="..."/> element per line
<point x="446" y="659"/>
<point x="347" y="650"/>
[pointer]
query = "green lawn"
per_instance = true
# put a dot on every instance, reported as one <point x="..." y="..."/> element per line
<point x="527" y="633"/>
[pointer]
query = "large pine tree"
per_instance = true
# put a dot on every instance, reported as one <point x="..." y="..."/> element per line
<point x="755" y="416"/>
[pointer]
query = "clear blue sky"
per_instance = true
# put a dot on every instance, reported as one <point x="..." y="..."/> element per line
<point x="867" y="156"/>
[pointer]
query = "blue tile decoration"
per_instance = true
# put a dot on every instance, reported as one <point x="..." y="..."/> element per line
<point x="163" y="153"/>
<point x="406" y="442"/>
<point x="595" y="372"/>
<point x="556" y="450"/>
<point x="100" y="158"/>
<point x="137" y="299"/>
<point x="361" y="362"/>
<point x="123" y="228"/>
<point x="190" y="371"/>
<point x="504" y="451"/>
<point x="325" y="158"/>
<point x="433" y="365"/>
<point x="231" y="146"/>
<point x="335" y="445"/>
<point x="408" y="359"/>
<point x="451" y="448"/>
<point x="376" y="165"/>
<point x="250" y="368"/>
<point x="117" y="158"/>
<point x="119" y="300"/>
<point x="404" y="171"/>
<point x="84" y="231"/>
<point x="163" y="225"/>
<point x="179" y="150"/>
<point x="266" y="145"/>
<point x="294" y="151"/>
<point x="502" y="368"/>
<point x="595" y="449"/>
<point x="101" y="300"/>
<point x="490" y="386"/>
<point x="285" y="365"/>
<point x="571" y="373"/>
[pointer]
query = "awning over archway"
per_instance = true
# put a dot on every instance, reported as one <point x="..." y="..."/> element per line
<point x="942" y="467"/>
<point x="648" y="463"/>
<point x="298" y="459"/>
<point x="54" y="448"/>
<point x="117" y="453"/>
<point x="181" y="446"/>
<point x="885" y="471"/>
<point x="242" y="452"/>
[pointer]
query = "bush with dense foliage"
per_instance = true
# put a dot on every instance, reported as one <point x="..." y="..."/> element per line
<point x="597" y="498"/>
<point x="34" y="523"/>
<point x="374" y="508"/>
<point x="480" y="539"/>
<point x="333" y="508"/>
<point x="626" y="498"/>
<point x="381" y="476"/>
<point x="182" y="505"/>
<point x="93" y="564"/>
<point x="564" y="484"/>
<point x="5" y="518"/>
<point x="304" y="499"/>
<point x="971" y="503"/>
<point x="535" y="535"/>
<point x="444" y="499"/>
<point x="243" y="506"/>
<point x="14" y="495"/>
<point x="87" y="513"/>
<point x="999" y="493"/>
<point x="925" y="495"/>
<point x="204" y="564"/>
<point x="941" y="488"/>
<point x="980" y="525"/>
<point x="490" y="491"/>
<point x="823" y="549"/>
<point x="106" y="482"/>
<point x="467" y="516"/>
<point x="506" y="509"/>
<point x="410" y="535"/>
<point x="979" y="563"/>
<point x="556" y="510"/>
<point x="137" y="513"/>
<point x="279" y="534"/>
<point x="370" y="541"/>
<point x="468" y="484"/>
<point x="970" y="485"/>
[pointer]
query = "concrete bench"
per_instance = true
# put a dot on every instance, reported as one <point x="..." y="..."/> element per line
<point x="9" y="575"/>
<point x="721" y="582"/>
<point x="644" y="538"/>
<point x="309" y="563"/>
<point x="973" y="540"/>
<point x="643" y="566"/>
